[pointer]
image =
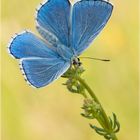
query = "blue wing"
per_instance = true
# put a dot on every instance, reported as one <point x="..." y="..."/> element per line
<point x="40" y="64"/>
<point x="88" y="19"/>
<point x="51" y="39"/>
<point x="40" y="72"/>
<point x="54" y="16"/>
<point x="27" y="44"/>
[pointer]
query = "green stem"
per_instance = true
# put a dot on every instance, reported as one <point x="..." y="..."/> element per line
<point x="114" y="137"/>
<point x="105" y="124"/>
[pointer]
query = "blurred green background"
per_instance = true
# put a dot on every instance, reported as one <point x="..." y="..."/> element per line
<point x="52" y="113"/>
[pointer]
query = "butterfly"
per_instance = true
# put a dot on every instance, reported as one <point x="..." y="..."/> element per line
<point x="66" y="31"/>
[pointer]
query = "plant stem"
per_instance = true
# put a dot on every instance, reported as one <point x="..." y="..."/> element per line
<point x="114" y="137"/>
<point x="105" y="124"/>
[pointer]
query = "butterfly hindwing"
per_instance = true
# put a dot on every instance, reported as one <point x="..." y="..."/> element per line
<point x="88" y="19"/>
<point x="53" y="16"/>
<point x="40" y="72"/>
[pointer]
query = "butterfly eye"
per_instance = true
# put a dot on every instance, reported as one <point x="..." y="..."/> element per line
<point x="74" y="62"/>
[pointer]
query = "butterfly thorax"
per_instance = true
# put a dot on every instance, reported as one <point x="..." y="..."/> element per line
<point x="65" y="52"/>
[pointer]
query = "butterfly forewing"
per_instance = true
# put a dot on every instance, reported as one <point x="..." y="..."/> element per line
<point x="54" y="16"/>
<point x="88" y="19"/>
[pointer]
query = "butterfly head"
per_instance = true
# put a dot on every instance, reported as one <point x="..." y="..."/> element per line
<point x="76" y="61"/>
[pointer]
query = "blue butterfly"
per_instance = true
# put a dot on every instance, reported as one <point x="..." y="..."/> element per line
<point x="66" y="31"/>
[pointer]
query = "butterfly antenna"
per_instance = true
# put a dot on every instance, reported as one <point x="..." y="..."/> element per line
<point x="106" y="60"/>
